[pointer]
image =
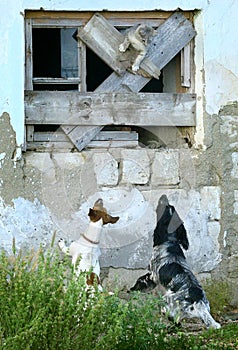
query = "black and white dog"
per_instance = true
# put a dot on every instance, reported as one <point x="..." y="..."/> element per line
<point x="183" y="294"/>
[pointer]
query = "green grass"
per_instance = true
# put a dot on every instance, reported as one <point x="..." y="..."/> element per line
<point x="43" y="306"/>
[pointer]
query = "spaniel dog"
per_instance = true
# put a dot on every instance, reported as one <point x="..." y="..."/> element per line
<point x="182" y="292"/>
<point x="85" y="251"/>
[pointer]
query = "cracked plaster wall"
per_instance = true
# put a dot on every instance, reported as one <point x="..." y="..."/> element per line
<point x="51" y="192"/>
<point x="42" y="192"/>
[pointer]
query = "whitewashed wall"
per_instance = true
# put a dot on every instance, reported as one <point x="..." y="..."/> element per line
<point x="203" y="181"/>
<point x="215" y="50"/>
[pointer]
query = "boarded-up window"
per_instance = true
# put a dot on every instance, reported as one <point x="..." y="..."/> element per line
<point x="77" y="81"/>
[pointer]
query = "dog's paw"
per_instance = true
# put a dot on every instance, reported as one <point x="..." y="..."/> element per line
<point x="122" y="48"/>
<point x="135" y="68"/>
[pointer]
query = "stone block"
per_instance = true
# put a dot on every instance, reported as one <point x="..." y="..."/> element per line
<point x="235" y="205"/>
<point x="135" y="167"/>
<point x="165" y="168"/>
<point x="106" y="169"/>
<point x="210" y="202"/>
<point x="234" y="170"/>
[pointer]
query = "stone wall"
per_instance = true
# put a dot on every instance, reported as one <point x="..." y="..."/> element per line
<point x="51" y="192"/>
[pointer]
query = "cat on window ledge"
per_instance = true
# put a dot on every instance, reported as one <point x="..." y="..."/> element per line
<point x="139" y="37"/>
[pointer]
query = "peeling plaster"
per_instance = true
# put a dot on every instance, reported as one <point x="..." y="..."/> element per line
<point x="2" y="156"/>
<point x="28" y="222"/>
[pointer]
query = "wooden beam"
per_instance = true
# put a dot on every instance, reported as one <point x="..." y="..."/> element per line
<point x="46" y="136"/>
<point x="68" y="146"/>
<point x="172" y="36"/>
<point x="104" y="39"/>
<point x="96" y="109"/>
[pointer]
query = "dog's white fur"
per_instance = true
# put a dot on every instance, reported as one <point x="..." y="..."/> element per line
<point x="85" y="254"/>
<point x="85" y="251"/>
<point x="138" y="37"/>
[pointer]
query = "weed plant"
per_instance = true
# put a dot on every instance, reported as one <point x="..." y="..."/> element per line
<point x="44" y="306"/>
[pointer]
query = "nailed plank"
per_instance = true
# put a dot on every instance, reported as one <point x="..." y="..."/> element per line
<point x="43" y="146"/>
<point x="116" y="135"/>
<point x="28" y="55"/>
<point x="29" y="132"/>
<point x="46" y="136"/>
<point x="186" y="66"/>
<point x="175" y="33"/>
<point x="112" y="144"/>
<point x="104" y="40"/>
<point x="75" y="81"/>
<point x="63" y="146"/>
<point x="108" y="109"/>
<point x="172" y="36"/>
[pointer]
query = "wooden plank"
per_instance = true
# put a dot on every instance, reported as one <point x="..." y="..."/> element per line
<point x="104" y="40"/>
<point x="112" y="144"/>
<point x="42" y="146"/>
<point x="82" y="65"/>
<point x="75" y="81"/>
<point x="46" y="146"/>
<point x="28" y="55"/>
<point x="50" y="136"/>
<point x="91" y="109"/>
<point x="171" y="38"/>
<point x="82" y="135"/>
<point x="82" y="87"/>
<point x="116" y="135"/>
<point x="186" y="66"/>
<point x="29" y="132"/>
<point x="42" y="15"/>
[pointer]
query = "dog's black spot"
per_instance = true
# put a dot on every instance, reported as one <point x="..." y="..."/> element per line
<point x="144" y="283"/>
<point x="182" y="236"/>
<point x="169" y="272"/>
<point x="175" y="249"/>
<point x="195" y="294"/>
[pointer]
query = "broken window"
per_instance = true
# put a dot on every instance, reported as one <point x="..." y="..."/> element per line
<point x="80" y="91"/>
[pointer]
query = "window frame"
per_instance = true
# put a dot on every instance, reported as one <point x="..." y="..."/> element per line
<point x="48" y="19"/>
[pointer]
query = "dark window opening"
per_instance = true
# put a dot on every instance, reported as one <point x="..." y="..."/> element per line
<point x="145" y="137"/>
<point x="46" y="52"/>
<point x="97" y="70"/>
<point x="55" y="87"/>
<point x="154" y="85"/>
<point x="46" y="127"/>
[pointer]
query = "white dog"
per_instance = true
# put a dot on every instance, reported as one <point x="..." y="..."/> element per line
<point x="139" y="36"/>
<point x="85" y="251"/>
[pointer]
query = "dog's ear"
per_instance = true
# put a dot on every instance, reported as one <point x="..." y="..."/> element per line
<point x="94" y="215"/>
<point x="182" y="236"/>
<point x="108" y="219"/>
<point x="98" y="205"/>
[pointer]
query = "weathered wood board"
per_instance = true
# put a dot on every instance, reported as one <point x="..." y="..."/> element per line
<point x="104" y="39"/>
<point x="172" y="36"/>
<point x="101" y="136"/>
<point x="109" y="108"/>
<point x="68" y="146"/>
<point x="104" y="139"/>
